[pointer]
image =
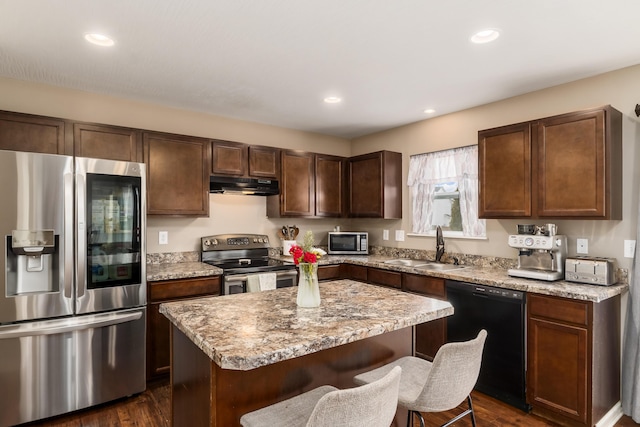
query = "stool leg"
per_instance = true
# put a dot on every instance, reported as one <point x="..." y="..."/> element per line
<point x="473" y="414"/>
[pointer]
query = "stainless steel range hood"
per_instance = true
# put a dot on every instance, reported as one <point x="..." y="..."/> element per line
<point x="248" y="186"/>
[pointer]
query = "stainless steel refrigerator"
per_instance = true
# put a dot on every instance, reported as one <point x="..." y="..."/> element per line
<point x="73" y="291"/>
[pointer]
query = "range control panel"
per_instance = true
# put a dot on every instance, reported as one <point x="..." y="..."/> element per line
<point x="221" y="242"/>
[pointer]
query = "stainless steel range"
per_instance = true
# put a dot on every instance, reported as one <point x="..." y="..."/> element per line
<point x="244" y="257"/>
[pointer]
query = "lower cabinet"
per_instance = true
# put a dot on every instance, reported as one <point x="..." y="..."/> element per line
<point x="159" y="327"/>
<point x="432" y="335"/>
<point x="378" y="276"/>
<point x="331" y="272"/>
<point x="573" y="348"/>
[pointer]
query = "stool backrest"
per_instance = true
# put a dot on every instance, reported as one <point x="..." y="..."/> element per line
<point x="370" y="405"/>
<point x="453" y="374"/>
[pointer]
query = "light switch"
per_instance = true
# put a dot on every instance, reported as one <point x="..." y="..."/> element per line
<point x="385" y="234"/>
<point x="399" y="235"/>
<point x="629" y="248"/>
<point x="163" y="237"/>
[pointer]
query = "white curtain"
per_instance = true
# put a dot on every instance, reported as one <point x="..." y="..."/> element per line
<point x="428" y="170"/>
<point x="631" y="350"/>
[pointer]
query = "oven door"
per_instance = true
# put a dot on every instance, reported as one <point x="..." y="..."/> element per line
<point x="237" y="283"/>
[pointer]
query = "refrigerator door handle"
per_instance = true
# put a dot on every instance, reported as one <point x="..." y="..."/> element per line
<point x="81" y="248"/>
<point x="67" y="241"/>
<point x="68" y="325"/>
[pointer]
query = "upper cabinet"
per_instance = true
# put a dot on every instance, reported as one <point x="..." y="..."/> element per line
<point x="107" y="142"/>
<point x="297" y="191"/>
<point x="237" y="159"/>
<point x="567" y="166"/>
<point x="177" y="174"/>
<point x="26" y="132"/>
<point x="375" y="185"/>
<point x="311" y="185"/>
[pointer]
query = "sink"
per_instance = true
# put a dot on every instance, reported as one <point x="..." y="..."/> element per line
<point x="439" y="267"/>
<point x="407" y="262"/>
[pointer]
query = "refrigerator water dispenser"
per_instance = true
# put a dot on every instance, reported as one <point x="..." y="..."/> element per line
<point x="30" y="258"/>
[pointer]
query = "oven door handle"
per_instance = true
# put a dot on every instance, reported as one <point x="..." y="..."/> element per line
<point x="279" y="275"/>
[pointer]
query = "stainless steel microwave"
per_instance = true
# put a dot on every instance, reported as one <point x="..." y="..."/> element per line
<point x="348" y="242"/>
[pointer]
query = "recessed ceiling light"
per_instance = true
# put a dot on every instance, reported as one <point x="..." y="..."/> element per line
<point x="332" y="100"/>
<point x="485" y="36"/>
<point x="99" y="39"/>
<point x="429" y="111"/>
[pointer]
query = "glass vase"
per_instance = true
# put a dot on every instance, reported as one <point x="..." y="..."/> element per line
<point x="308" y="289"/>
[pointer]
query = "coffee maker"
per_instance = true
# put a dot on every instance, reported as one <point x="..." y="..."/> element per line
<point x="541" y="252"/>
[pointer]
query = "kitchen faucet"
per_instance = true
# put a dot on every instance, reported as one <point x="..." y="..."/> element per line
<point x="439" y="244"/>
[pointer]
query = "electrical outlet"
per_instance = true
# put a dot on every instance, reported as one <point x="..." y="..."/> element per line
<point x="582" y="246"/>
<point x="399" y="235"/>
<point x="163" y="237"/>
<point x="385" y="234"/>
<point x="629" y="248"/>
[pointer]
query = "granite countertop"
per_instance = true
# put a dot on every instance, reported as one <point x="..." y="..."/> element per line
<point x="490" y="276"/>
<point x="180" y="270"/>
<point x="246" y="331"/>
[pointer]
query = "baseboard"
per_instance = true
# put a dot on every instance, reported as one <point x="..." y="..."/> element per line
<point x="610" y="418"/>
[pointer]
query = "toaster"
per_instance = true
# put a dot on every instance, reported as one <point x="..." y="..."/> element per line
<point x="591" y="270"/>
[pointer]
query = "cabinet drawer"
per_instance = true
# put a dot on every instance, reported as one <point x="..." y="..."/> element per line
<point x="357" y="272"/>
<point x="424" y="285"/>
<point x="385" y="277"/>
<point x="329" y="272"/>
<point x="560" y="309"/>
<point x="170" y="289"/>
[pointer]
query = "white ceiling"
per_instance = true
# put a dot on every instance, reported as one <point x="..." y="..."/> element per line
<point x="273" y="61"/>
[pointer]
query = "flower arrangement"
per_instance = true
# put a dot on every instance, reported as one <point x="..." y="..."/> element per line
<point x="306" y="258"/>
<point x="306" y="253"/>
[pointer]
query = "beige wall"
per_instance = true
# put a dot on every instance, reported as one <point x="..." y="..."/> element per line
<point x="230" y="213"/>
<point x="620" y="88"/>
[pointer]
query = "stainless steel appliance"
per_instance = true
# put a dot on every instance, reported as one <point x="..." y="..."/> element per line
<point x="348" y="242"/>
<point x="244" y="255"/>
<point x="73" y="292"/>
<point x="502" y="313"/>
<point x="592" y="270"/>
<point x="541" y="253"/>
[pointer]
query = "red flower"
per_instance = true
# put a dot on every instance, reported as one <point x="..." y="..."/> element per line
<point x="300" y="255"/>
<point x="310" y="258"/>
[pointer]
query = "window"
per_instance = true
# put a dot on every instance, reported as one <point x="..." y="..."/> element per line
<point x="444" y="192"/>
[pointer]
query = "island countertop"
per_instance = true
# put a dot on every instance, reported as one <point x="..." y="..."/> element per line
<point x="247" y="331"/>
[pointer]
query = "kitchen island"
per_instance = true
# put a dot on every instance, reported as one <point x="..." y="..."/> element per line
<point x="237" y="353"/>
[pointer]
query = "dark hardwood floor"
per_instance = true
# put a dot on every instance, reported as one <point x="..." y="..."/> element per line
<point x="152" y="408"/>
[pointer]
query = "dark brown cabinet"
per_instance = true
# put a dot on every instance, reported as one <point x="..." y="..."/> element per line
<point x="177" y="174"/>
<point x="158" y="326"/>
<point x="311" y="185"/>
<point x="331" y="272"/>
<point x="378" y="276"/>
<point x="566" y="166"/>
<point x="375" y="185"/>
<point x="38" y="134"/>
<point x="243" y="160"/>
<point x="107" y="142"/>
<point x="573" y="349"/>
<point x="430" y="336"/>
<point x="330" y="185"/>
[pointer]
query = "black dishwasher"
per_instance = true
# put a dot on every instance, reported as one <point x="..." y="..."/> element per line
<point x="502" y="313"/>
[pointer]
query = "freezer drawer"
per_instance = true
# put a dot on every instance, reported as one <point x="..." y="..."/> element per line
<point x="52" y="367"/>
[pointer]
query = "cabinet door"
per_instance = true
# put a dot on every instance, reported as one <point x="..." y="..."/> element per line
<point x="577" y="161"/>
<point x="264" y="162"/>
<point x="330" y="272"/>
<point x="504" y="168"/>
<point x="430" y="336"/>
<point x="25" y="132"/>
<point x="330" y="186"/>
<point x="297" y="185"/>
<point x="228" y="158"/>
<point x="356" y="272"/>
<point x="177" y="174"/>
<point x="558" y="368"/>
<point x="375" y="185"/>
<point x="107" y="142"/>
